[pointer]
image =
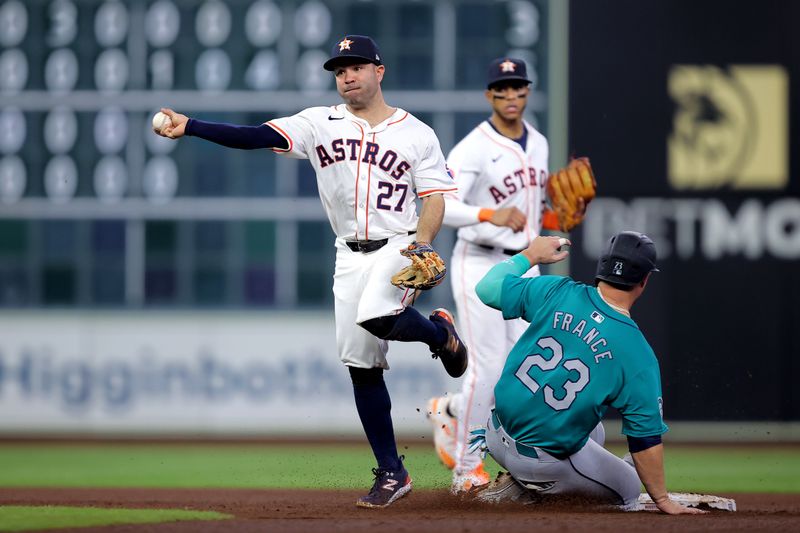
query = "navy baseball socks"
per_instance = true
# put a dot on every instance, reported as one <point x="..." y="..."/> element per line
<point x="374" y="406"/>
<point x="438" y="332"/>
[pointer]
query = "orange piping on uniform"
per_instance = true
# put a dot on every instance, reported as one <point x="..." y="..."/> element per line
<point x="284" y="135"/>
<point x="464" y="427"/>
<point x="403" y="299"/>
<point x="426" y="193"/>
<point x="366" y="209"/>
<point x="398" y="120"/>
<point x="358" y="175"/>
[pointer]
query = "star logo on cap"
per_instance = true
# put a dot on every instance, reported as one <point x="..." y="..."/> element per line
<point x="508" y="66"/>
<point x="345" y="44"/>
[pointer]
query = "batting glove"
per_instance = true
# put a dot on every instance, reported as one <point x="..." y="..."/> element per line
<point x="477" y="441"/>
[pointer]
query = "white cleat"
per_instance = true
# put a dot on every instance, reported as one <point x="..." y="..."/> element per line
<point x="444" y="430"/>
<point x="471" y="481"/>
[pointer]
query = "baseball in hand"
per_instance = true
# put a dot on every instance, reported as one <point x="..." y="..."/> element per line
<point x="561" y="242"/>
<point x="160" y="121"/>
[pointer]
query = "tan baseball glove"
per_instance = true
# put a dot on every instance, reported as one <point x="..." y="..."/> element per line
<point x="570" y="190"/>
<point x="426" y="270"/>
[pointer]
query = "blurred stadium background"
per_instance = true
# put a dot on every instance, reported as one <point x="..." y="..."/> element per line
<point x="155" y="288"/>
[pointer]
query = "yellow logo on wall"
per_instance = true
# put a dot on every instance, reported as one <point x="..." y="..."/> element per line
<point x="730" y="128"/>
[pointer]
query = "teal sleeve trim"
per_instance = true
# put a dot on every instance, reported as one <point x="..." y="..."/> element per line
<point x="490" y="288"/>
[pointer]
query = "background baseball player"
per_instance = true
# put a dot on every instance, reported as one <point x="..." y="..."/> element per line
<point x="372" y="161"/>
<point x="500" y="168"/>
<point x="581" y="354"/>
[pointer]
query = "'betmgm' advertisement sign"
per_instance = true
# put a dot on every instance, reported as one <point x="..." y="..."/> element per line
<point x="693" y="139"/>
<point x="730" y="127"/>
<point x="729" y="139"/>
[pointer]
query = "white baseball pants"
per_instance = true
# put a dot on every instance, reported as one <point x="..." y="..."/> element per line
<point x="362" y="290"/>
<point x="489" y="339"/>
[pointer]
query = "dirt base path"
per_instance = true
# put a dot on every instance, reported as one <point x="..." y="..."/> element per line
<point x="422" y="511"/>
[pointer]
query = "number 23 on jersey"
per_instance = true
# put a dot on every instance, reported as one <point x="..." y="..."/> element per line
<point x="569" y="389"/>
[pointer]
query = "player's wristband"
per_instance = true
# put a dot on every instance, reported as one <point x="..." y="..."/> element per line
<point x="485" y="214"/>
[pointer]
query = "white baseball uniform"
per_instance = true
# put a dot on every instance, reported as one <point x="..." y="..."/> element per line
<point x="368" y="179"/>
<point x="491" y="171"/>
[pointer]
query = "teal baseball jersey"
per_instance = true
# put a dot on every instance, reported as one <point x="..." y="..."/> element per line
<point x="577" y="357"/>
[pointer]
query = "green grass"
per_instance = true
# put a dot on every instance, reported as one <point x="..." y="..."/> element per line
<point x="704" y="469"/>
<point x="232" y="466"/>
<point x="337" y="466"/>
<point x="21" y="518"/>
<point x="243" y="466"/>
<point x="715" y="470"/>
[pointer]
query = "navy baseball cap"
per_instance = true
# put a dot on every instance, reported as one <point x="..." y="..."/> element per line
<point x="627" y="258"/>
<point x="507" y="69"/>
<point x="358" y="47"/>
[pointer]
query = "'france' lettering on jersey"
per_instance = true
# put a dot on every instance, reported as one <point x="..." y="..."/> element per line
<point x="577" y="357"/>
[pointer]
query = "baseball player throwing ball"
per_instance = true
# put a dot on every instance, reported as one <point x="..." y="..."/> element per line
<point x="372" y="161"/>
<point x="581" y="354"/>
<point x="501" y="171"/>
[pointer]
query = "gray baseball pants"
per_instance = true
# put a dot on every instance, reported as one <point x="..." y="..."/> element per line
<point x="592" y="471"/>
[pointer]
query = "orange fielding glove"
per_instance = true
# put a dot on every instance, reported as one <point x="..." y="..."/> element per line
<point x="570" y="190"/>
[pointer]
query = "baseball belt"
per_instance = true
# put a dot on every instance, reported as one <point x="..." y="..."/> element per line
<point x="368" y="246"/>
<point x="506" y="251"/>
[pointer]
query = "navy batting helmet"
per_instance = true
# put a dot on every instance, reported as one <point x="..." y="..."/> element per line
<point x="627" y="258"/>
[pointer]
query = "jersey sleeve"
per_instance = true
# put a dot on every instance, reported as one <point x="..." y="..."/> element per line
<point x="522" y="297"/>
<point x="458" y="212"/>
<point x="299" y="132"/>
<point x="464" y="166"/>
<point x="432" y="175"/>
<point x="639" y="402"/>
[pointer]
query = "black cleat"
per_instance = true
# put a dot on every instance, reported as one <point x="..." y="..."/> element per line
<point x="454" y="353"/>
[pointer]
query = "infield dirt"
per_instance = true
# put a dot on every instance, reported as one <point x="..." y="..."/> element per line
<point x="434" y="511"/>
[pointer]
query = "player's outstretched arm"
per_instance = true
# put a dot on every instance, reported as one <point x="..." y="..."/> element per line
<point x="650" y="467"/>
<point x="490" y="288"/>
<point x="230" y="135"/>
<point x="541" y="250"/>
